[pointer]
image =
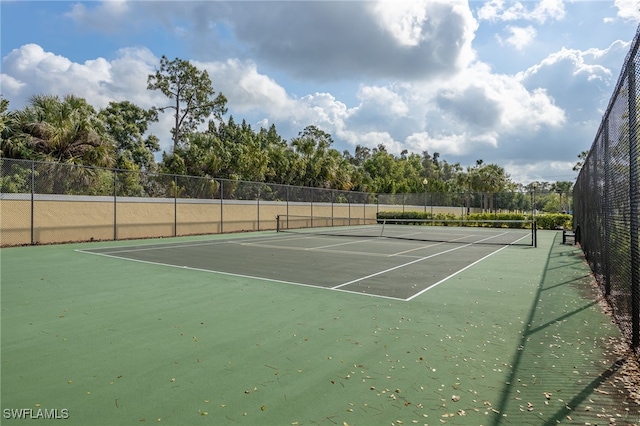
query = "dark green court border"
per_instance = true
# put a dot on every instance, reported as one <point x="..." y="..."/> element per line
<point x="121" y="343"/>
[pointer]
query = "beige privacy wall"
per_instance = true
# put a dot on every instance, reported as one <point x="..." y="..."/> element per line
<point x="65" y="218"/>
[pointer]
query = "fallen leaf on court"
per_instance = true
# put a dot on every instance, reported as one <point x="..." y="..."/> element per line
<point x="264" y="407"/>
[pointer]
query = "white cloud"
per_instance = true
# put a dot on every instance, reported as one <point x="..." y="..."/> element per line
<point x="30" y="70"/>
<point x="371" y="139"/>
<point x="448" y="144"/>
<point x="501" y="100"/>
<point x="384" y="99"/>
<point x="475" y="113"/>
<point x="106" y="16"/>
<point x="628" y="10"/>
<point x="497" y="10"/>
<point x="578" y="78"/>
<point x="540" y="171"/>
<point x="246" y="89"/>
<point x="10" y="86"/>
<point x="403" y="20"/>
<point x="520" y="37"/>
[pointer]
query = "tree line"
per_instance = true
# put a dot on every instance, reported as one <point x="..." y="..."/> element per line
<point x="205" y="144"/>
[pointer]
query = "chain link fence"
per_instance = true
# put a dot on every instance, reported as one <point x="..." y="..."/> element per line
<point x="43" y="202"/>
<point x="607" y="202"/>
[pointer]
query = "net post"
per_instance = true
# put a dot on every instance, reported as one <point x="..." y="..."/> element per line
<point x="277" y="223"/>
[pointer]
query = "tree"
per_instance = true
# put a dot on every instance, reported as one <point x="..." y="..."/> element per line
<point x="562" y="188"/>
<point x="192" y="94"/>
<point x="581" y="159"/>
<point x="314" y="147"/>
<point x="127" y="124"/>
<point x="4" y="107"/>
<point x="64" y="130"/>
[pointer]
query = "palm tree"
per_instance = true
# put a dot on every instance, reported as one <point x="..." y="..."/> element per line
<point x="562" y="188"/>
<point x="65" y="131"/>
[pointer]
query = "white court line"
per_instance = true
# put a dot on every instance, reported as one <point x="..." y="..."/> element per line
<point x="454" y="274"/>
<point x="337" y="245"/>
<point x="205" y="270"/>
<point x="320" y="250"/>
<point x="171" y="245"/>
<point x="230" y="274"/>
<point x="162" y="246"/>
<point x="418" y="260"/>
<point x="337" y="288"/>
<point x="400" y="253"/>
<point x="399" y="266"/>
<point x="463" y="269"/>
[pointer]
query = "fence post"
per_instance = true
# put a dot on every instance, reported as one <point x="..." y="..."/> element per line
<point x="332" y="215"/>
<point x="221" y="206"/>
<point x="607" y="208"/>
<point x="33" y="184"/>
<point x="634" y="201"/>
<point x="115" y="204"/>
<point x="175" y="205"/>
<point x="364" y="208"/>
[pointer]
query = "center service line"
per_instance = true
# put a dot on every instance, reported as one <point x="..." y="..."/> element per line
<point x="454" y="274"/>
<point x="399" y="266"/>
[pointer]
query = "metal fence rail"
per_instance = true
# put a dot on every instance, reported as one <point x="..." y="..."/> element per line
<point x="607" y="201"/>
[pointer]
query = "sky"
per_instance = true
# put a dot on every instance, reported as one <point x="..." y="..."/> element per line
<point x="522" y="84"/>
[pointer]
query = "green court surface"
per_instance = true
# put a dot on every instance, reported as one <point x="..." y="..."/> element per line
<point x="279" y="329"/>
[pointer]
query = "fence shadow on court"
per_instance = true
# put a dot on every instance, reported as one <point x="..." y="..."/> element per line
<point x="562" y="369"/>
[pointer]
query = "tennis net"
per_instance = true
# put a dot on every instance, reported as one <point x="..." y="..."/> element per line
<point x="500" y="232"/>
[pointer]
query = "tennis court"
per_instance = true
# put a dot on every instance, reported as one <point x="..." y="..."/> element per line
<point x="308" y="329"/>
<point x="392" y="261"/>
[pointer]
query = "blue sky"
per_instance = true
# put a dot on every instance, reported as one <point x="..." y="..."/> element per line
<point x="523" y="84"/>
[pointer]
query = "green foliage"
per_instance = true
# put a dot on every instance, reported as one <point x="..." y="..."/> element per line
<point x="15" y="178"/>
<point x="127" y="124"/>
<point x="64" y="130"/>
<point x="545" y="221"/>
<point x="554" y="221"/>
<point x="476" y="219"/>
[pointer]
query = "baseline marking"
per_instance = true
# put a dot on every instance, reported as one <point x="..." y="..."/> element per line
<point x="240" y="275"/>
